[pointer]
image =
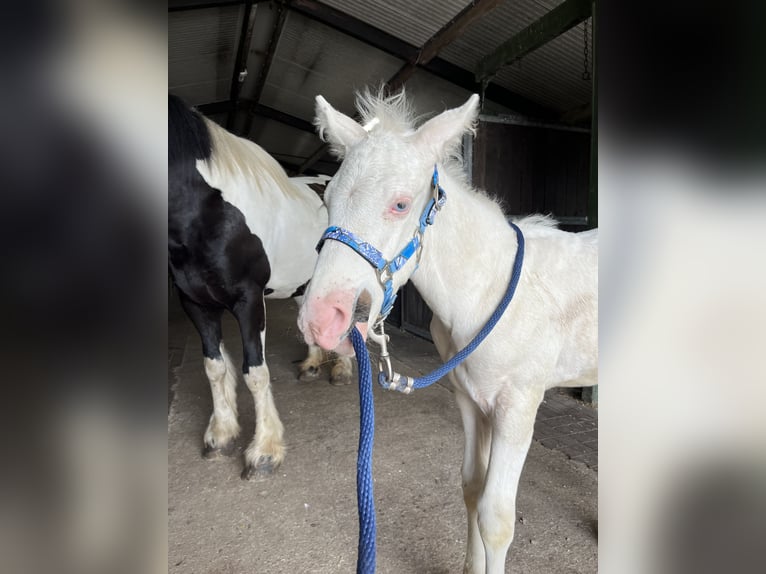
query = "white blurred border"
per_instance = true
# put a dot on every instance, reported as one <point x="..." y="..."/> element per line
<point x="682" y="336"/>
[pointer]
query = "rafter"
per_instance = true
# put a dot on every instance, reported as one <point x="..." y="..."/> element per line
<point x="256" y="109"/>
<point x="445" y="36"/>
<point x="184" y="5"/>
<point x="563" y="17"/>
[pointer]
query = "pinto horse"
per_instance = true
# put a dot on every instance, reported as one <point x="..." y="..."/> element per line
<point x="547" y="336"/>
<point x="239" y="231"/>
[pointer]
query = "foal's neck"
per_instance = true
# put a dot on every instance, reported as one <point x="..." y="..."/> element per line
<point x="467" y="257"/>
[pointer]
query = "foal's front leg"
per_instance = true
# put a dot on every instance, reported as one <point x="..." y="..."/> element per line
<point x="475" y="458"/>
<point x="512" y="427"/>
<point x="266" y="451"/>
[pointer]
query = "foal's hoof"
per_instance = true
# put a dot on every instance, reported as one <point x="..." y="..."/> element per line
<point x="310" y="374"/>
<point x="265" y="467"/>
<point x="213" y="452"/>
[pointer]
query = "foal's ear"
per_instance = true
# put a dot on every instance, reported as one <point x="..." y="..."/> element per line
<point x="443" y="133"/>
<point x="337" y="129"/>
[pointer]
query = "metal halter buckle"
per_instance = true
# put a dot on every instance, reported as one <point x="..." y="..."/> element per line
<point x="387" y="377"/>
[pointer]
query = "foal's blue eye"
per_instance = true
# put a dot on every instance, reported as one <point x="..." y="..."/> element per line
<point x="401" y="206"/>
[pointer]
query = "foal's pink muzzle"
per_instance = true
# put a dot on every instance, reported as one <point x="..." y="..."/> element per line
<point x="325" y="321"/>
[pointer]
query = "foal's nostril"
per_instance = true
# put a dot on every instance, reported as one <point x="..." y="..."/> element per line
<point x="329" y="325"/>
<point x="328" y="318"/>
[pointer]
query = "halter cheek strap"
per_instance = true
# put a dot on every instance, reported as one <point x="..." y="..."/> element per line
<point x="384" y="268"/>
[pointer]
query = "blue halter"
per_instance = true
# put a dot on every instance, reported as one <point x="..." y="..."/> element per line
<point x="385" y="269"/>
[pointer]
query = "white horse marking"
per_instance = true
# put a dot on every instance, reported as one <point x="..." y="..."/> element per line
<point x="267" y="448"/>
<point x="223" y="426"/>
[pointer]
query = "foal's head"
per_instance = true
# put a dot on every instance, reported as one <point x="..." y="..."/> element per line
<point x="378" y="195"/>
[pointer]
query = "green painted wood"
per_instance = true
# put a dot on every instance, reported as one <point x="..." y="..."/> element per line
<point x="593" y="191"/>
<point x="565" y="16"/>
<point x="590" y="394"/>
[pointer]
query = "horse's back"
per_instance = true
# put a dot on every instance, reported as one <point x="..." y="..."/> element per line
<point x="287" y="215"/>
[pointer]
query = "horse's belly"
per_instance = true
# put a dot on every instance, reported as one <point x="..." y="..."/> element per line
<point x="576" y="363"/>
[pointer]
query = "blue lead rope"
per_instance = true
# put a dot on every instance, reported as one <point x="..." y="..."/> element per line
<point x="365" y="563"/>
<point x="406" y="384"/>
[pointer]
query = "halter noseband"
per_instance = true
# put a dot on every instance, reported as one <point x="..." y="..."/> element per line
<point x="385" y="269"/>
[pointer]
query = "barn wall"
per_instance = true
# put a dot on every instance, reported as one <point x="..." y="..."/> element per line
<point x="534" y="169"/>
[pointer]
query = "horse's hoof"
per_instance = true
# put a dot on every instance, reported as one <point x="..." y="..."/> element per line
<point x="265" y="467"/>
<point x="213" y="452"/>
<point x="340" y="381"/>
<point x="310" y="374"/>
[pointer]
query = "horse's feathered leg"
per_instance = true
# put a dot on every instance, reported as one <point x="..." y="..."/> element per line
<point x="311" y="367"/>
<point x="223" y="427"/>
<point x="342" y="370"/>
<point x="266" y="451"/>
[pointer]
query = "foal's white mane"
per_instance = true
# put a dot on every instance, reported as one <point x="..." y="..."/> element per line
<point x="379" y="113"/>
<point x="386" y="113"/>
<point x="392" y="113"/>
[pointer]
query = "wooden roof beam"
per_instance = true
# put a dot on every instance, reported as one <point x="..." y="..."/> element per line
<point x="566" y="15"/>
<point x="186" y="5"/>
<point x="260" y="110"/>
<point x="445" y="36"/>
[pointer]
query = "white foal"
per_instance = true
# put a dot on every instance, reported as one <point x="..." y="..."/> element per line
<point x="546" y="338"/>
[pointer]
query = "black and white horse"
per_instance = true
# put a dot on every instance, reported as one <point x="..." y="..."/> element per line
<point x="239" y="230"/>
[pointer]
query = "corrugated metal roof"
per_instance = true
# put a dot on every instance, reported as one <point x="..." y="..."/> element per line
<point x="202" y="46"/>
<point x="413" y="22"/>
<point x="312" y="59"/>
<point x="551" y="75"/>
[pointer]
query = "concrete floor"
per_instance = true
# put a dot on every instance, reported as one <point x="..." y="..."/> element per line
<point x="303" y="518"/>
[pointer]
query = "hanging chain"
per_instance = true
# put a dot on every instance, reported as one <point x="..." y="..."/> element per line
<point x="586" y="72"/>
